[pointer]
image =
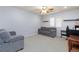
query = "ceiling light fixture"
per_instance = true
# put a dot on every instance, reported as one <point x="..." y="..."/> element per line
<point x="46" y="9"/>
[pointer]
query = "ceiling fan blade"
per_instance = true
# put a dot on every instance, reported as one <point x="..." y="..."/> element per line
<point x="48" y="9"/>
<point x="51" y="9"/>
<point x="37" y="10"/>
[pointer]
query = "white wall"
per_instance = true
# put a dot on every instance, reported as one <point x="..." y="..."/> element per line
<point x="23" y="22"/>
<point x="64" y="15"/>
<point x="45" y="18"/>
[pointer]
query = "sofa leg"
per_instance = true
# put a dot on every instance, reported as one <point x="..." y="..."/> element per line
<point x="20" y="49"/>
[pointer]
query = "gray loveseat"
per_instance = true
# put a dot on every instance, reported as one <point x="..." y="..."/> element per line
<point x="48" y="31"/>
<point x="10" y="42"/>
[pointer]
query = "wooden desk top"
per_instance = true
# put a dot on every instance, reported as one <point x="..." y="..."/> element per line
<point x="74" y="38"/>
<point x="73" y="41"/>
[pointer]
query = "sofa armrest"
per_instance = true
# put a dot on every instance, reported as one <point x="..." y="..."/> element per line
<point x="12" y="33"/>
<point x="16" y="38"/>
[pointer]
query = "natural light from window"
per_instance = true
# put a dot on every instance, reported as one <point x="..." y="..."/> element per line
<point x="52" y="22"/>
<point x="55" y="22"/>
<point x="58" y="22"/>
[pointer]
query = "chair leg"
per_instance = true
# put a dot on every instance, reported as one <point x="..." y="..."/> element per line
<point x="69" y="45"/>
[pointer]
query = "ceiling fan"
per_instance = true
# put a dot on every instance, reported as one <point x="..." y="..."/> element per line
<point x="45" y="10"/>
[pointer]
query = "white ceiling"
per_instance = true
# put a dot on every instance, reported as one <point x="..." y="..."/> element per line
<point x="56" y="8"/>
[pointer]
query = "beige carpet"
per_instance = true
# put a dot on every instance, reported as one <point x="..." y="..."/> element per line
<point x="40" y="43"/>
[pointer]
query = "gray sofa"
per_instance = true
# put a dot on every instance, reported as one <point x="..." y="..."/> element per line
<point x="48" y="31"/>
<point x="10" y="42"/>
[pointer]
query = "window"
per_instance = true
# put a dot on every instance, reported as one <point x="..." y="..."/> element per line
<point x="52" y="22"/>
<point x="59" y="22"/>
<point x="56" y="22"/>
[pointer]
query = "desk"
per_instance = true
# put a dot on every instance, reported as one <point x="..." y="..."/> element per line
<point x="63" y="33"/>
<point x="76" y="27"/>
<point x="73" y="40"/>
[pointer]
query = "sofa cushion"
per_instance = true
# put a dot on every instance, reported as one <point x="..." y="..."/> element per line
<point x="1" y="41"/>
<point x="12" y="33"/>
<point x="5" y="36"/>
<point x="50" y="31"/>
<point x="16" y="38"/>
<point x="43" y="28"/>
